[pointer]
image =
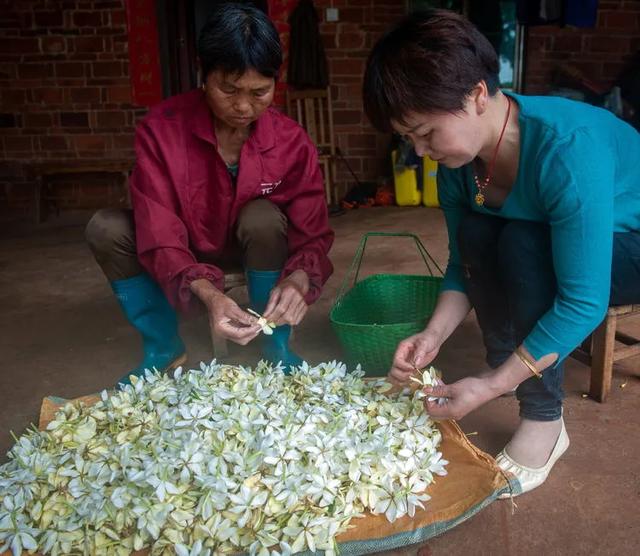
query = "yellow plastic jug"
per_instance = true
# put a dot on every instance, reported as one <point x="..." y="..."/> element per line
<point x="406" y="185"/>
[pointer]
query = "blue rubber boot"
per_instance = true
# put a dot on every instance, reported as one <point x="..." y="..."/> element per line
<point x="275" y="348"/>
<point x="147" y="309"/>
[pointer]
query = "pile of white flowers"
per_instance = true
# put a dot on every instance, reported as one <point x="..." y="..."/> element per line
<point x="219" y="460"/>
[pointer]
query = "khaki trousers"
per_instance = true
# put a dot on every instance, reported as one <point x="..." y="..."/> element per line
<point x="260" y="241"/>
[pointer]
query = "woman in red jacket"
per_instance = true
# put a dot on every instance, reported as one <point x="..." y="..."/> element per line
<point x="220" y="179"/>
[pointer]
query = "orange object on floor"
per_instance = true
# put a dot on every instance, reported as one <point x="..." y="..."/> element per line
<point x="385" y="197"/>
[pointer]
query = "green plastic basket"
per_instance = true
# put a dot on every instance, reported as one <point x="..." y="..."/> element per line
<point x="372" y="316"/>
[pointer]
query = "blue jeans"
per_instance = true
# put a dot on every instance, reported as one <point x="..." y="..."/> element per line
<point x="511" y="283"/>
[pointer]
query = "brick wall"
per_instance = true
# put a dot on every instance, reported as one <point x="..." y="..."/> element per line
<point x="600" y="53"/>
<point x="64" y="83"/>
<point x="65" y="91"/>
<point x="347" y="43"/>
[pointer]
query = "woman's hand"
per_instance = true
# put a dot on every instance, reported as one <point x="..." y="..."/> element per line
<point x="228" y="321"/>
<point x="286" y="303"/>
<point x="415" y="352"/>
<point x="462" y="397"/>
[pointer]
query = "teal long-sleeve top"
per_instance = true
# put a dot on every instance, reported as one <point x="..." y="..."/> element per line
<point x="579" y="172"/>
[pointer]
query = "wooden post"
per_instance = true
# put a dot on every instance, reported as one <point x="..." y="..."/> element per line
<point x="603" y="346"/>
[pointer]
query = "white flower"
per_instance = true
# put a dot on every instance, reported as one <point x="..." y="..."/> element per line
<point x="222" y="459"/>
<point x="267" y="326"/>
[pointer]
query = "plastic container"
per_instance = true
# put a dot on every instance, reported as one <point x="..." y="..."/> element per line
<point x="415" y="186"/>
<point x="406" y="185"/>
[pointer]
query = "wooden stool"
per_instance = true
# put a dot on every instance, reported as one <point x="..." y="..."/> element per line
<point x="599" y="350"/>
<point x="231" y="280"/>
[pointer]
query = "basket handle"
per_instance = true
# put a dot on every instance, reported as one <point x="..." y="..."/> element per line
<point x="351" y="277"/>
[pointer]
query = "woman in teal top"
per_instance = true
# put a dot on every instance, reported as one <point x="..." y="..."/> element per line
<point x="542" y="202"/>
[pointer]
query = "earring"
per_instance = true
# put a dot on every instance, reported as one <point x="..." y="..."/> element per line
<point x="203" y="87"/>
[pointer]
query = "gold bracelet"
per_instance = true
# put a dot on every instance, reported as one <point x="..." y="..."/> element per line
<point x="529" y="364"/>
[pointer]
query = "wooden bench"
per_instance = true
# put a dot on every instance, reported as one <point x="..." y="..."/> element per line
<point x="599" y="350"/>
<point x="43" y="173"/>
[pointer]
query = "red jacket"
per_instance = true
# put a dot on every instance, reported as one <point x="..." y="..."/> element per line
<point x="186" y="207"/>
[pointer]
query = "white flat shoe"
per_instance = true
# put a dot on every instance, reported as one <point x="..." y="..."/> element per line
<point x="532" y="477"/>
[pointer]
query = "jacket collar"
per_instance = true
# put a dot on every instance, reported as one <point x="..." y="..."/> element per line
<point x="201" y="123"/>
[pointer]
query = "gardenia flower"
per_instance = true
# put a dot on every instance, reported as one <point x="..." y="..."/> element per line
<point x="219" y="460"/>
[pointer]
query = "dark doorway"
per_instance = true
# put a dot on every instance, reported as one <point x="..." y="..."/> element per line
<point x="179" y="23"/>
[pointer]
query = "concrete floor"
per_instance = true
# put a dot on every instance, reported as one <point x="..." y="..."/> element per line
<point x="61" y="332"/>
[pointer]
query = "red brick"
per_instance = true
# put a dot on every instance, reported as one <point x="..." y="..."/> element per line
<point x="609" y="4"/>
<point x="19" y="45"/>
<point x="119" y="94"/>
<point x="123" y="141"/>
<point x="568" y="43"/>
<point x="69" y="69"/>
<point x="85" y="94"/>
<point x="107" y="69"/>
<point x="13" y="97"/>
<point x="53" y="143"/>
<point x="620" y="20"/>
<point x="53" y="45"/>
<point x="110" y="31"/>
<point x="361" y="140"/>
<point x="110" y="119"/>
<point x="37" y="119"/>
<point x="350" y="40"/>
<point x="88" y="19"/>
<point x="388" y="13"/>
<point x="89" y="44"/>
<point x="35" y="71"/>
<point x="74" y="119"/>
<point x="108" y="56"/>
<point x="48" y="19"/>
<point x="617" y="45"/>
<point x="118" y="18"/>
<point x="328" y="40"/>
<point x="347" y="66"/>
<point x="352" y="14"/>
<point x="81" y="56"/>
<point x="18" y="143"/>
<point x="46" y="95"/>
<point x="89" y="142"/>
<point x="8" y="71"/>
<point x="347" y="116"/>
<point x="48" y="58"/>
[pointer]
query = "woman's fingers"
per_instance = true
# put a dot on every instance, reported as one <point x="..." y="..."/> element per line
<point x="239" y="334"/>
<point x="455" y="406"/>
<point x="228" y="321"/>
<point x="285" y="309"/>
<point x="403" y="358"/>
<point x="399" y="377"/>
<point x="423" y="355"/>
<point x="300" y="312"/>
<point x="242" y="317"/>
<point x="274" y="299"/>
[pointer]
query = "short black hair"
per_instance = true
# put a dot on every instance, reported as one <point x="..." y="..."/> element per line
<point x="238" y="37"/>
<point x="429" y="62"/>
